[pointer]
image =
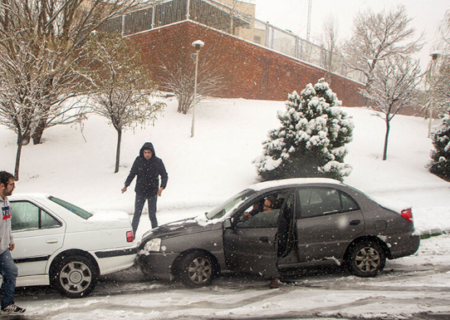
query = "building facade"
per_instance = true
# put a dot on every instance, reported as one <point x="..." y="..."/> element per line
<point x="246" y="70"/>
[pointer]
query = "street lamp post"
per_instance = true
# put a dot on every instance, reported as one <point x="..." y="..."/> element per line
<point x="434" y="57"/>
<point x="198" y="45"/>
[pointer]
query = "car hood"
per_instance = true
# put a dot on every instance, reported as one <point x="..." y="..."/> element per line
<point x="176" y="228"/>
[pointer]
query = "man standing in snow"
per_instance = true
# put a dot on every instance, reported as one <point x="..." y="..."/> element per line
<point x="148" y="168"/>
<point x="8" y="268"/>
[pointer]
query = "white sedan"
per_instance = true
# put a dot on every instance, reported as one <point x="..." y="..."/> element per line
<point x="60" y="244"/>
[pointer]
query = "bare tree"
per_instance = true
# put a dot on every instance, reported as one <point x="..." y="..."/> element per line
<point x="436" y="87"/>
<point x="41" y="40"/>
<point x="393" y="88"/>
<point x="377" y="37"/>
<point x="23" y="97"/>
<point x="179" y="77"/>
<point x="441" y="86"/>
<point x="445" y="29"/>
<point x="330" y="41"/>
<point x="121" y="85"/>
<point x="439" y="78"/>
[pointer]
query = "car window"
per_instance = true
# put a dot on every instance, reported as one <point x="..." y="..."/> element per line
<point x="263" y="212"/>
<point x="321" y="201"/>
<point x="348" y="204"/>
<point x="47" y="221"/>
<point x="72" y="208"/>
<point x="229" y="205"/>
<point x="27" y="216"/>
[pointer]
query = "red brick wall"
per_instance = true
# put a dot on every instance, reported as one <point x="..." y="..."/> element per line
<point x="249" y="71"/>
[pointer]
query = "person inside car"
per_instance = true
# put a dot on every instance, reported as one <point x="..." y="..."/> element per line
<point x="257" y="207"/>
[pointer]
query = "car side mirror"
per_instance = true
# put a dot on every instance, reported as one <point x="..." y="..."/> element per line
<point x="227" y="224"/>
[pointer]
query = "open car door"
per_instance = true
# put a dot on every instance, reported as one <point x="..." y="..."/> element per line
<point x="251" y="243"/>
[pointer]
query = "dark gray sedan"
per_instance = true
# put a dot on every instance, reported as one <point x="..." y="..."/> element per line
<point x="277" y="228"/>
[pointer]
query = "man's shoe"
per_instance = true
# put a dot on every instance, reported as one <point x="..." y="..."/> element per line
<point x="13" y="309"/>
<point x="274" y="283"/>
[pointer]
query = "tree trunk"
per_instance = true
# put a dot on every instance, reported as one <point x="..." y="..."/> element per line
<point x="38" y="132"/>
<point x="119" y="140"/>
<point x="18" y="154"/>
<point x="184" y="106"/>
<point x="388" y="127"/>
<point x="26" y="139"/>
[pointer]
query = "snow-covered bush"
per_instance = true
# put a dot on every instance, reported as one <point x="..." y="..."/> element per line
<point x="440" y="164"/>
<point x="311" y="140"/>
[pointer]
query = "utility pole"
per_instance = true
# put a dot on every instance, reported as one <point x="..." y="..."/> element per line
<point x="308" y="28"/>
<point x="188" y="6"/>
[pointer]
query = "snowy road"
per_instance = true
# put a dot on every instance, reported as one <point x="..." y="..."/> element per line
<point x="416" y="287"/>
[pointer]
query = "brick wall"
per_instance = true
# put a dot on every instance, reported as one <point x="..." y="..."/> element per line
<point x="249" y="71"/>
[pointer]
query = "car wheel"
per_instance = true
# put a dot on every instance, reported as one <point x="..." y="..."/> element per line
<point x="74" y="276"/>
<point x="196" y="270"/>
<point x="366" y="259"/>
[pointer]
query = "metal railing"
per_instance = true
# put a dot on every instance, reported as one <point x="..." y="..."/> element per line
<point x="229" y="20"/>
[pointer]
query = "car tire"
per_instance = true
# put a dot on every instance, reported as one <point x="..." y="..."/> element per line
<point x="74" y="276"/>
<point x="196" y="270"/>
<point x="366" y="259"/>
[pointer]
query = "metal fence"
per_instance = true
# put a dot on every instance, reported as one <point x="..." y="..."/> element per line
<point x="232" y="21"/>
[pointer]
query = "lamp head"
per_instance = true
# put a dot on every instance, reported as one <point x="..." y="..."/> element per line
<point x="434" y="55"/>
<point x="198" y="45"/>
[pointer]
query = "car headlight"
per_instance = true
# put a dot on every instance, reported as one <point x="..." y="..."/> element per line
<point x="153" y="245"/>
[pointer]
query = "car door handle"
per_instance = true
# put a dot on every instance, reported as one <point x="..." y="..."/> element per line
<point x="50" y="241"/>
<point x="355" y="222"/>
<point x="264" y="239"/>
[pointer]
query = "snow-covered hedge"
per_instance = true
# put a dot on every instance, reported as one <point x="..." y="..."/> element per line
<point x="440" y="164"/>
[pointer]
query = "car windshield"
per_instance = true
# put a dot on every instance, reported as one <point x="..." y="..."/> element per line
<point x="229" y="205"/>
<point x="72" y="208"/>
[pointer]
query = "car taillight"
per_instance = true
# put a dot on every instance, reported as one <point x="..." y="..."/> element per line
<point x="130" y="236"/>
<point x="407" y="214"/>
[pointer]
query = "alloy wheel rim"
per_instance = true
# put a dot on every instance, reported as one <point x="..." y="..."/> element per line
<point x="368" y="259"/>
<point x="200" y="270"/>
<point x="75" y="277"/>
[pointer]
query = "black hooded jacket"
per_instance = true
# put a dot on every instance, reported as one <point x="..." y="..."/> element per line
<point x="148" y="172"/>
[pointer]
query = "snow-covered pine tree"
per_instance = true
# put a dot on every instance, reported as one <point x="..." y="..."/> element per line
<point x="311" y="140"/>
<point x="440" y="164"/>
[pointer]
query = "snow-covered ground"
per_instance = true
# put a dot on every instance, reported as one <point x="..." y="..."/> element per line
<point x="77" y="165"/>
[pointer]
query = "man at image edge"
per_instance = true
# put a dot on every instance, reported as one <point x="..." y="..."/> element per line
<point x="8" y="268"/>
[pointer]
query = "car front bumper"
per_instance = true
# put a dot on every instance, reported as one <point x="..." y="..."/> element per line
<point x="157" y="265"/>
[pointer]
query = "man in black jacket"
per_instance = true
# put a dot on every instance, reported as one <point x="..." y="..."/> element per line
<point x="148" y="168"/>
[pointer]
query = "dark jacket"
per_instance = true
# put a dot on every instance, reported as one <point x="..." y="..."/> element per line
<point x="148" y="173"/>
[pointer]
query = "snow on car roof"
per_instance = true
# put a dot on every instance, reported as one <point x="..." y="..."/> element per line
<point x="29" y="195"/>
<point x="288" y="182"/>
